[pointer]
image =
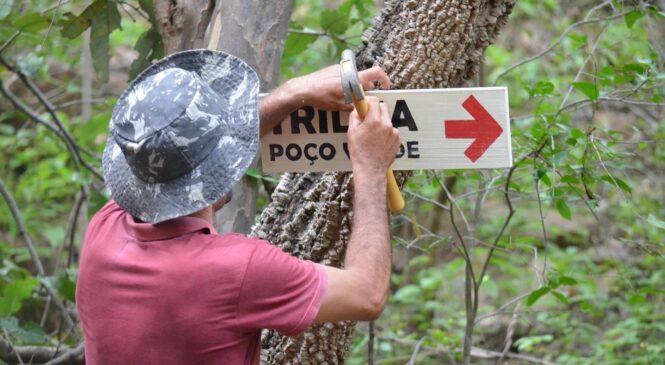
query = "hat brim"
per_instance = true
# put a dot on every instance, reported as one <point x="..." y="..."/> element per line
<point x="236" y="83"/>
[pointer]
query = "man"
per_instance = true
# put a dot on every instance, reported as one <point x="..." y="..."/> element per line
<point x="157" y="284"/>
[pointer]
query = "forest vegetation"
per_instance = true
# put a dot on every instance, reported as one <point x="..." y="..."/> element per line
<point x="557" y="260"/>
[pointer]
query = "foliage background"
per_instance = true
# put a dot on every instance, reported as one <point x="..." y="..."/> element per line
<point x="576" y="278"/>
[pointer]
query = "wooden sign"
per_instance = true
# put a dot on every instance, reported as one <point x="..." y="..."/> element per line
<point x="439" y="128"/>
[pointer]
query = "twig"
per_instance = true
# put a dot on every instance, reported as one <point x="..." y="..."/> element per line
<point x="470" y="282"/>
<point x="510" y="331"/>
<point x="579" y="72"/>
<point x="9" y="41"/>
<point x="370" y="344"/>
<point x="426" y="199"/>
<point x="503" y="307"/>
<point x="511" y="212"/>
<point x="414" y="355"/>
<point x="77" y="102"/>
<point x="50" y="26"/>
<point x="12" y="348"/>
<point x="542" y="216"/>
<point x="452" y="200"/>
<point x="38" y="354"/>
<point x="63" y="2"/>
<point x="69" y="356"/>
<point x="81" y="198"/>
<point x="307" y="32"/>
<point x="137" y="9"/>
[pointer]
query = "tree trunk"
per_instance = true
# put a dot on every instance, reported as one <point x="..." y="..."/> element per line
<point x="253" y="30"/>
<point x="420" y="44"/>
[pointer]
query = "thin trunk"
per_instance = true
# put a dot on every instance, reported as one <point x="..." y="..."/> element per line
<point x="253" y="30"/>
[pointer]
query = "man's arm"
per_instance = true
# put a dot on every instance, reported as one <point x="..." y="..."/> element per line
<point x="321" y="89"/>
<point x="360" y="290"/>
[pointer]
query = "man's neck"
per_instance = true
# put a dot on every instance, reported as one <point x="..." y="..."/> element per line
<point x="206" y="214"/>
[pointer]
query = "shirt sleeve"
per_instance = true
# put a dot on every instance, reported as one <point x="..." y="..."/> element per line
<point x="279" y="292"/>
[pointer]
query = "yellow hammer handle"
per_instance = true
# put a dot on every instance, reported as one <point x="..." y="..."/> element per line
<point x="395" y="198"/>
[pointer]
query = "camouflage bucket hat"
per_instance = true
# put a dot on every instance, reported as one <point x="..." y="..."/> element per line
<point x="182" y="134"/>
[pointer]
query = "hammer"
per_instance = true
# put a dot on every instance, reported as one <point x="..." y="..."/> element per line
<point x="354" y="93"/>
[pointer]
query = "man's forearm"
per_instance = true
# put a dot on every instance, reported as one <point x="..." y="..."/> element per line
<point x="276" y="106"/>
<point x="369" y="250"/>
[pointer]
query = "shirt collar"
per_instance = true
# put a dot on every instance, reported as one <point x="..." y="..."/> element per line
<point x="168" y="229"/>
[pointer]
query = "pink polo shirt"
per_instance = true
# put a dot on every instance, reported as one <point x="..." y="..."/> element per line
<point x="179" y="293"/>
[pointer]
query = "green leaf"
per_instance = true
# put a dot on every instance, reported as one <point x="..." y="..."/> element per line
<point x="559" y="157"/>
<point x="578" y="39"/>
<point x="54" y="235"/>
<point x="259" y="175"/>
<point x="14" y="293"/>
<point x="576" y="133"/>
<point x="29" y="333"/>
<point x="542" y="175"/>
<point x="102" y="17"/>
<point x="525" y="344"/>
<point x="408" y="294"/>
<point x="73" y="26"/>
<point x="333" y="22"/>
<point x="67" y="285"/>
<point x="615" y="181"/>
<point x="536" y="294"/>
<point x="149" y="7"/>
<point x="658" y="223"/>
<point x="31" y="22"/>
<point x="563" y="208"/>
<point x="637" y="298"/>
<point x="632" y="17"/>
<point x="587" y="88"/>
<point x="587" y="307"/>
<point x="635" y="68"/>
<point x="298" y="42"/>
<point x="102" y="25"/>
<point x="543" y="88"/>
<point x="5" y="8"/>
<point x="570" y="179"/>
<point x="149" y="47"/>
<point x="567" y="280"/>
<point x="30" y="63"/>
<point x="430" y="283"/>
<point x="560" y="296"/>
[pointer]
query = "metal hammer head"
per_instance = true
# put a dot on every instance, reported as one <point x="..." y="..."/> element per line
<point x="350" y="81"/>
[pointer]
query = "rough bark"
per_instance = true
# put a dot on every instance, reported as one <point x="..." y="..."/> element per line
<point x="421" y="44"/>
<point x="253" y="30"/>
<point x="182" y="23"/>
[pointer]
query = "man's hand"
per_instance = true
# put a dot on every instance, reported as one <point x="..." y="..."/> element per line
<point x="373" y="143"/>
<point x="321" y="89"/>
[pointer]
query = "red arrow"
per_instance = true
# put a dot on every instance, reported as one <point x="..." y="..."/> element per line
<point x="483" y="128"/>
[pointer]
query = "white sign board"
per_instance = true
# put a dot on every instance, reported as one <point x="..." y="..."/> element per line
<point x="440" y="129"/>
